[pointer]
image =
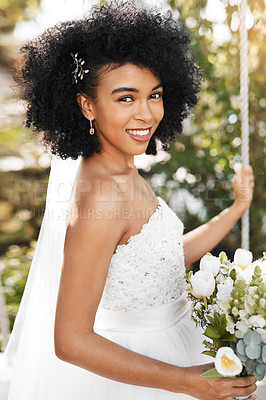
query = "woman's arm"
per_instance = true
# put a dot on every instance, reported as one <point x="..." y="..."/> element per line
<point x="89" y="246"/>
<point x="93" y="231"/>
<point x="204" y="238"/>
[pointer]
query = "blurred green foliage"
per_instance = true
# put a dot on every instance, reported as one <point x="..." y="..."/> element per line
<point x="13" y="11"/>
<point x="211" y="142"/>
<point x="16" y="261"/>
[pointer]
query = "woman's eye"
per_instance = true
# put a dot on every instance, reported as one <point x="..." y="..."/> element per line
<point x="125" y="99"/>
<point x="156" y="96"/>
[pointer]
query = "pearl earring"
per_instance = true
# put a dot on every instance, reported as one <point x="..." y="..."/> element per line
<point x="91" y="128"/>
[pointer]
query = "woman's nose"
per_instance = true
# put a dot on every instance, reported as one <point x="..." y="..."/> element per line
<point x="144" y="112"/>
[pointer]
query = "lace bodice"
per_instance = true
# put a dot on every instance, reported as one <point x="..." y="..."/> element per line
<point x="148" y="271"/>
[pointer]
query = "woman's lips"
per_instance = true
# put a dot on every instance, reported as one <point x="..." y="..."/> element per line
<point x="139" y="134"/>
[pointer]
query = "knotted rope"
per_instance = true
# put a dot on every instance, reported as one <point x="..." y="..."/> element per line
<point x="244" y="110"/>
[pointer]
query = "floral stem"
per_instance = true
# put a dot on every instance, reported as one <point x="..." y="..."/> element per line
<point x="205" y="302"/>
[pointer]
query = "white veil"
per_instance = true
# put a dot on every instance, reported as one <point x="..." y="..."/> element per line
<point x="29" y="357"/>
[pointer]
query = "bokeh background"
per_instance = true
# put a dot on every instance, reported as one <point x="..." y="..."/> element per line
<point x="194" y="177"/>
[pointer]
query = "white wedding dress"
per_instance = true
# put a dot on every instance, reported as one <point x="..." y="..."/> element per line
<point x="143" y="308"/>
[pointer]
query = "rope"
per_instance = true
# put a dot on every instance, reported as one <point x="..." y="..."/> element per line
<point x="244" y="109"/>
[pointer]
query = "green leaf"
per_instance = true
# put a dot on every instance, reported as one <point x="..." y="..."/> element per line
<point x="212" y="333"/>
<point x="233" y="274"/>
<point x="211" y="320"/>
<point x="223" y="323"/>
<point x="209" y="353"/>
<point x="223" y="257"/>
<point x="211" y="373"/>
<point x="217" y="320"/>
<point x="228" y="338"/>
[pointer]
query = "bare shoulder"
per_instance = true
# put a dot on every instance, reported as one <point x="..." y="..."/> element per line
<point x="97" y="207"/>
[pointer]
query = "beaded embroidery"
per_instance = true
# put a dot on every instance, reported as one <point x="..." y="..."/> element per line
<point x="148" y="271"/>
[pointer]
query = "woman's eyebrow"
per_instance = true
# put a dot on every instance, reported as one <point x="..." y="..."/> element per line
<point x="127" y="89"/>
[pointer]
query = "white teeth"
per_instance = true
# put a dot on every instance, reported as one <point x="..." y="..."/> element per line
<point x="138" y="132"/>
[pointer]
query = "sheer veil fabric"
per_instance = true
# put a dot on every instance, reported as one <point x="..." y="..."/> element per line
<point x="31" y="348"/>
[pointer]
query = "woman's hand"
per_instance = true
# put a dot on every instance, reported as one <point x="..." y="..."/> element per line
<point x="243" y="185"/>
<point x="216" y="388"/>
<point x="204" y="238"/>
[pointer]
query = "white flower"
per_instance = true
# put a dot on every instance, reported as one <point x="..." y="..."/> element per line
<point x="242" y="327"/>
<point x="262" y="302"/>
<point x="225" y="305"/>
<point x="245" y="275"/>
<point x="239" y="334"/>
<point x="257" y="321"/>
<point x="220" y="278"/>
<point x="243" y="258"/>
<point x="212" y="308"/>
<point x="262" y="265"/>
<point x="227" y="363"/>
<point x="225" y="289"/>
<point x="203" y="284"/>
<point x="210" y="263"/>
<point x="249" y="303"/>
<point x="230" y="325"/>
<point x="242" y="313"/>
<point x="235" y="311"/>
<point x="252" y="291"/>
<point x="262" y="333"/>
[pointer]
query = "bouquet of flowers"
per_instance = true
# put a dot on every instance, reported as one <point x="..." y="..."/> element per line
<point x="229" y="302"/>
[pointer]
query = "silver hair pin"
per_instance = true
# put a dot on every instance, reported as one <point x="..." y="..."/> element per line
<point x="78" y="71"/>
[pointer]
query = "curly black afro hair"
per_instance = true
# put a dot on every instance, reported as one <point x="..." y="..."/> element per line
<point x="116" y="33"/>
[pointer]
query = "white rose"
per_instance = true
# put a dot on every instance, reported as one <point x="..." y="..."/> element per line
<point x="210" y="263"/>
<point x="203" y="284"/>
<point x="257" y="321"/>
<point x="227" y="363"/>
<point x="243" y="258"/>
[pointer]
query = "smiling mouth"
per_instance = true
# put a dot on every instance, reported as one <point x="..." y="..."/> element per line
<point x="138" y="132"/>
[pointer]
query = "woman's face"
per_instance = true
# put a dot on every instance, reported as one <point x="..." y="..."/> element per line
<point x="128" y="109"/>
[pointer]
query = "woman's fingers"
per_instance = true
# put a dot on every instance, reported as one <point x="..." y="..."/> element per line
<point x="243" y="185"/>
<point x="245" y="387"/>
<point x="245" y="391"/>
<point x="246" y="381"/>
<point x="238" y="387"/>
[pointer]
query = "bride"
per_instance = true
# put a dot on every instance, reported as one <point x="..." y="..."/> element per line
<point x="104" y="313"/>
